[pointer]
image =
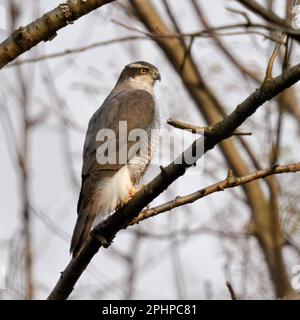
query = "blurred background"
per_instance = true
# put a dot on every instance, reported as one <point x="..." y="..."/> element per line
<point x="247" y="235"/>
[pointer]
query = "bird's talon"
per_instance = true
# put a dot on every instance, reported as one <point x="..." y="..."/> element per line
<point x="131" y="193"/>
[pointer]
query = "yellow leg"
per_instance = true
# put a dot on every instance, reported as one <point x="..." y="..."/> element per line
<point x="131" y="193"/>
<point x="142" y="186"/>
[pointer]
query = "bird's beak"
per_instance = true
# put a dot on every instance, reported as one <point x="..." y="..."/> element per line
<point x="156" y="75"/>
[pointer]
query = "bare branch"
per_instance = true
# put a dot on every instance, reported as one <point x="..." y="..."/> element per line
<point x="228" y="182"/>
<point x="45" y="28"/>
<point x="231" y="291"/>
<point x="273" y="57"/>
<point x="206" y="131"/>
<point x="77" y="50"/>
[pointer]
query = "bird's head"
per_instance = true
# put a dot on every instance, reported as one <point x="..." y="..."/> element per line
<point x="139" y="75"/>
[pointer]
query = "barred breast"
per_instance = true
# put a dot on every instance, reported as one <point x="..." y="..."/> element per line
<point x="138" y="164"/>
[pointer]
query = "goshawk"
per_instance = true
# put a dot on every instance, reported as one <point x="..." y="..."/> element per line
<point x="105" y="186"/>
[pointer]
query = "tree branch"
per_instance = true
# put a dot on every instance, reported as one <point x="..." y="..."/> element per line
<point x="231" y="291"/>
<point x="103" y="233"/>
<point x="271" y="17"/>
<point x="206" y="131"/>
<point x="152" y="36"/>
<point x="229" y="182"/>
<point x="45" y="28"/>
<point x="268" y="15"/>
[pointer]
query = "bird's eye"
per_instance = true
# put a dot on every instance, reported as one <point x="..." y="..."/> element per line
<point x="143" y="71"/>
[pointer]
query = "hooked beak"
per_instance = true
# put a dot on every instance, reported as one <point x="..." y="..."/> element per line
<point x="156" y="76"/>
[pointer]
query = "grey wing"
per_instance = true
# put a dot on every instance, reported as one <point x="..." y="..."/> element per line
<point x="138" y="109"/>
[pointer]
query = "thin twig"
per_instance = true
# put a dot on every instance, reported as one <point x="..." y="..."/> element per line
<point x="78" y="50"/>
<point x="231" y="291"/>
<point x="274" y="55"/>
<point x="206" y="131"/>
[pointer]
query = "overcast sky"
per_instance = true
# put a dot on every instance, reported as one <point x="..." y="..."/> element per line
<point x="55" y="197"/>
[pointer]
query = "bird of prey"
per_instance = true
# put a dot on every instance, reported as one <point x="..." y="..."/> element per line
<point x="106" y="186"/>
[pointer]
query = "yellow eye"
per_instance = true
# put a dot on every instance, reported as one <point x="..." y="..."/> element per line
<point x="144" y="71"/>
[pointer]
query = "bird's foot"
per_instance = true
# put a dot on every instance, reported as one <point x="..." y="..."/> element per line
<point x="131" y="193"/>
<point x="142" y="187"/>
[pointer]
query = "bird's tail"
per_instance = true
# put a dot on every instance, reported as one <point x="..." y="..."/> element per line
<point x="81" y="232"/>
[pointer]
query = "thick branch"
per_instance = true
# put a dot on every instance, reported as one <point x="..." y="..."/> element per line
<point x="45" y="28"/>
<point x="103" y="233"/>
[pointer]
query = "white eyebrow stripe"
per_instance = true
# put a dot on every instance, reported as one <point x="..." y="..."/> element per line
<point x="137" y="65"/>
